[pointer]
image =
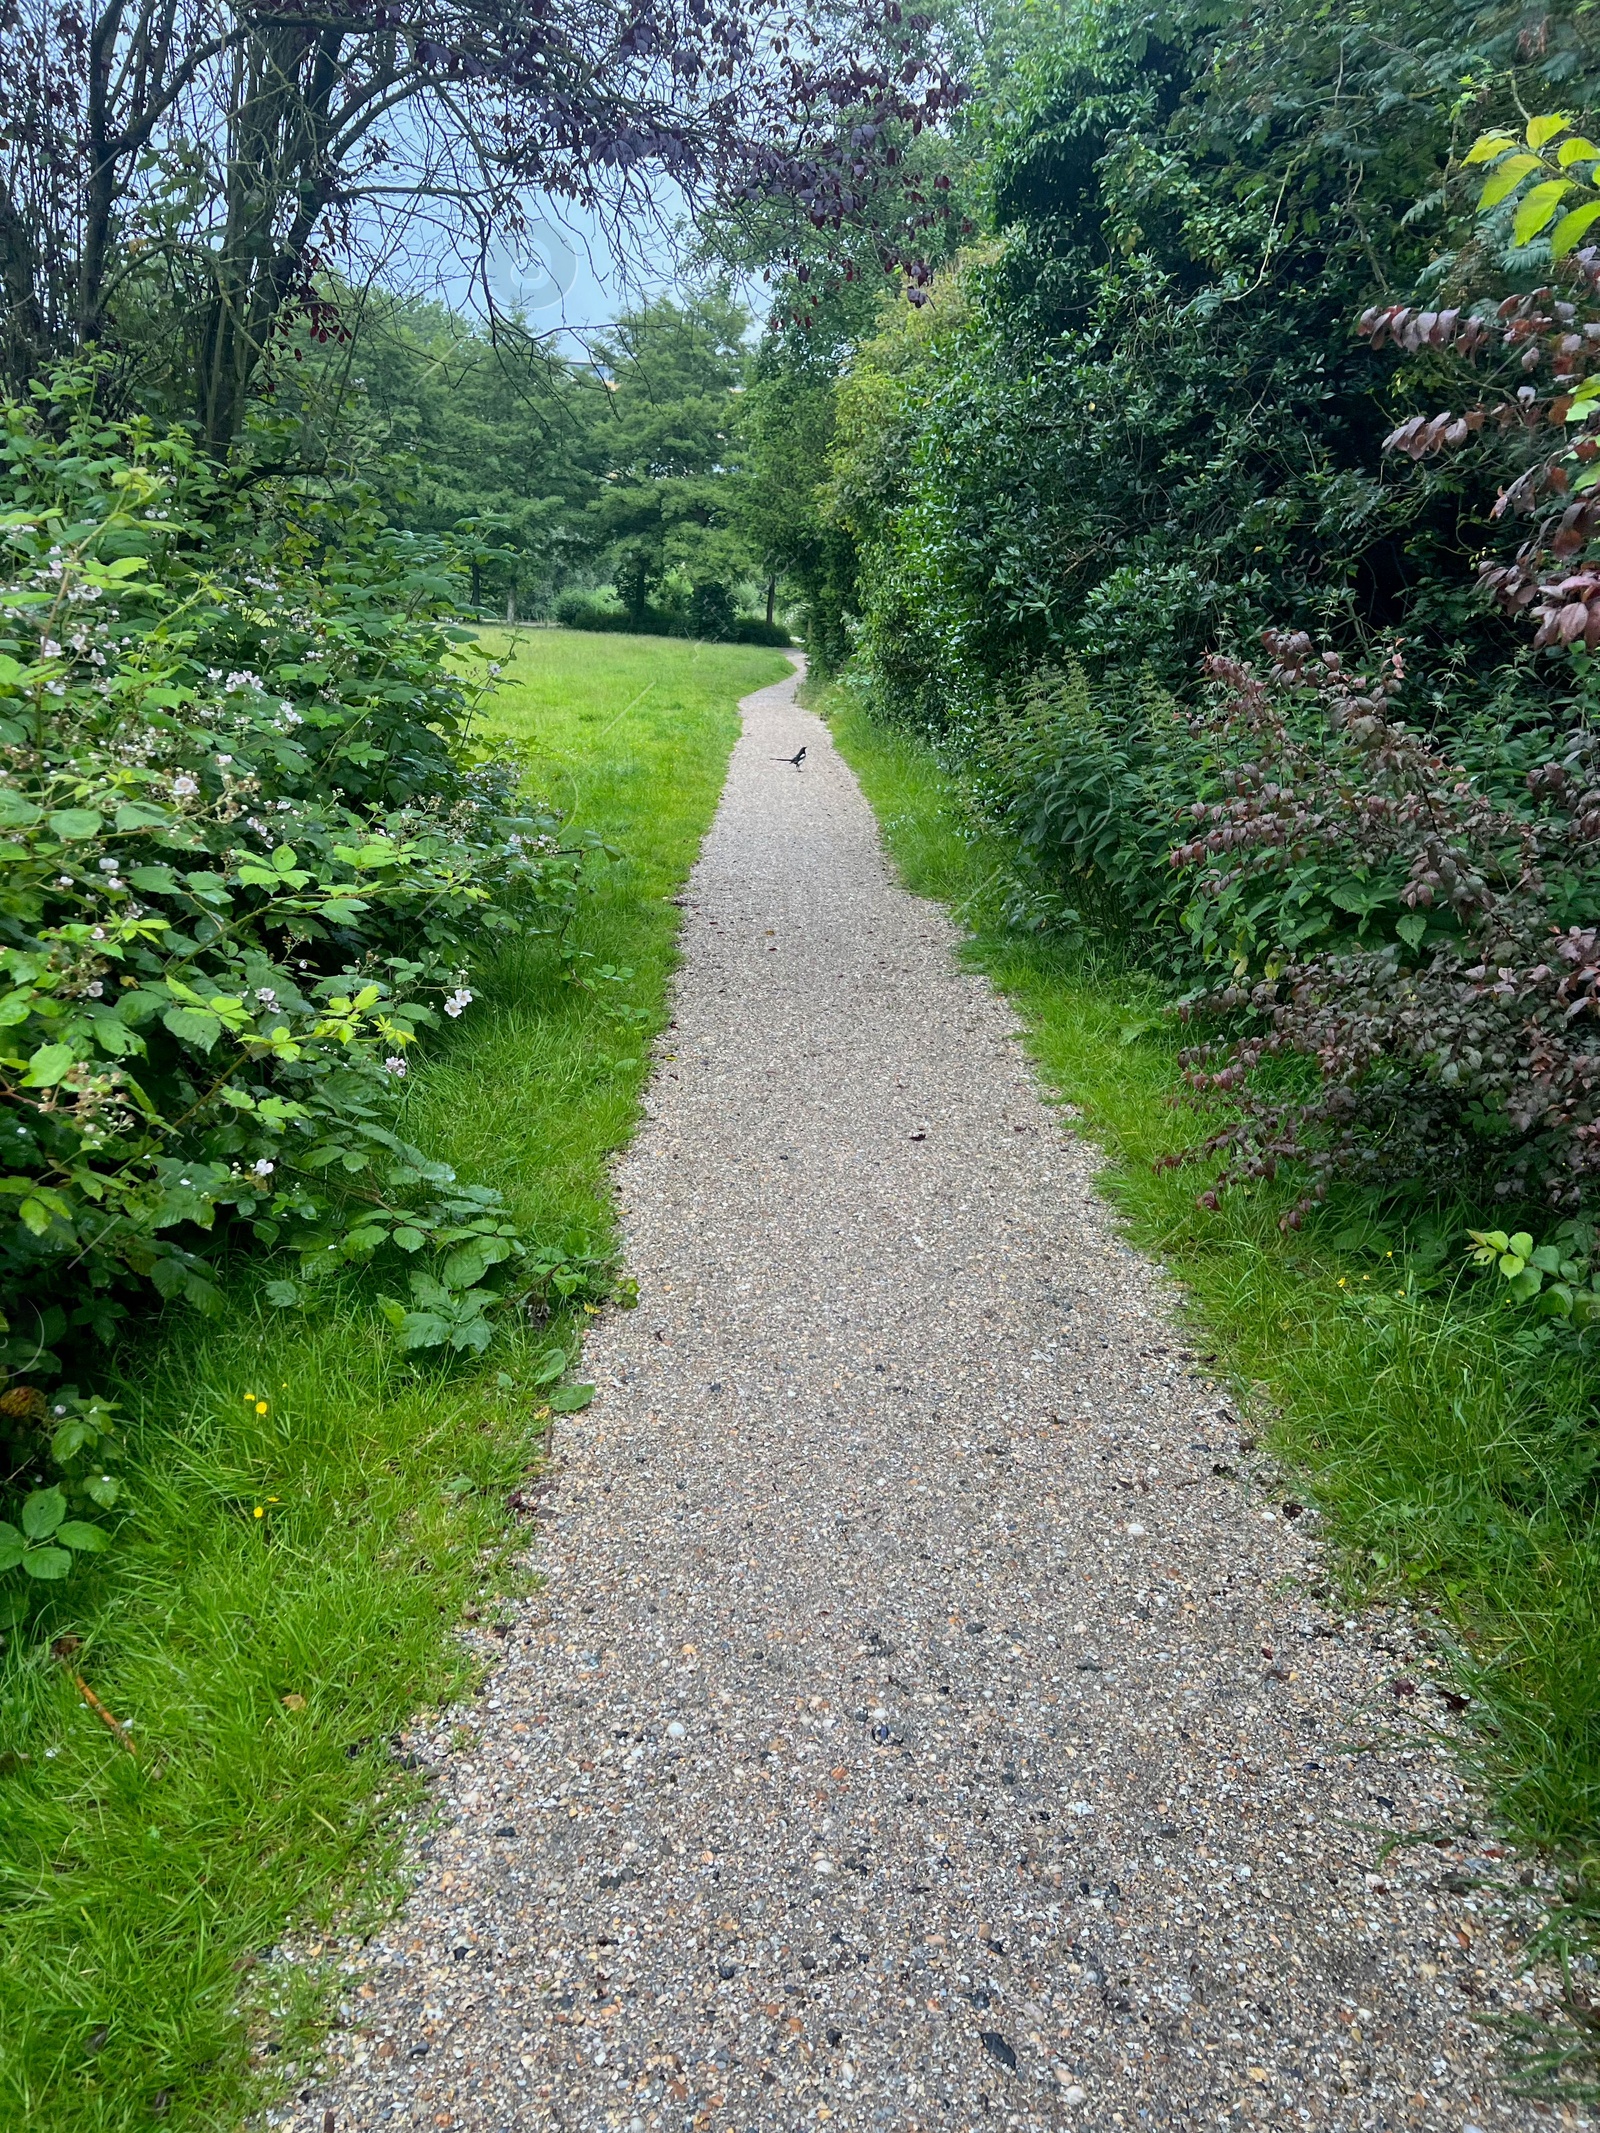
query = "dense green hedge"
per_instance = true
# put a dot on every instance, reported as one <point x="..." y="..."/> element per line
<point x="1130" y="543"/>
<point x="584" y="611"/>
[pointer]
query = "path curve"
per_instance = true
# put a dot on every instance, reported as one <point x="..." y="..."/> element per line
<point x="927" y="1723"/>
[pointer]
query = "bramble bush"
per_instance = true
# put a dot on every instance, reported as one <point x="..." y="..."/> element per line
<point x="247" y="840"/>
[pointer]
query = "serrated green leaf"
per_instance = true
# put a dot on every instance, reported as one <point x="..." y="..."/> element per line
<point x="141" y="814"/>
<point x="423" y="1329"/>
<point x="1538" y="208"/>
<point x="79" y="1535"/>
<point x="409" y="1239"/>
<point x="1505" y="178"/>
<point x="76" y="823"/>
<point x="70" y="1439"/>
<point x="1487" y="146"/>
<point x="47" y="1066"/>
<point x="467" y="1265"/>
<point x="11" y="1546"/>
<point x="115" y="1038"/>
<point x="42" y="1512"/>
<point x="473" y="1333"/>
<point x="193" y="1025"/>
<point x="1544" y="129"/>
<point x="47" y="1562"/>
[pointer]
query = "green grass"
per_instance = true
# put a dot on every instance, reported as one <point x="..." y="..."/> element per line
<point x="137" y="1888"/>
<point x="1450" y="1447"/>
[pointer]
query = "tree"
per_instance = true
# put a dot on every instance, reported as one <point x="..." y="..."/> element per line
<point x="662" y="447"/>
<point x="174" y="173"/>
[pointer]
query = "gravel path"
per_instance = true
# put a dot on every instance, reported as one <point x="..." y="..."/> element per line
<point x="929" y="1721"/>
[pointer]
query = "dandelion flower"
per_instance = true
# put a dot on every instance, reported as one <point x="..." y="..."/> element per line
<point x="260" y="1511"/>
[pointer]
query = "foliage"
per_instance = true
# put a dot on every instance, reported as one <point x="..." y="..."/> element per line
<point x="456" y="432"/>
<point x="1540" y="347"/>
<point x="712" y="621"/>
<point x="174" y="177"/>
<point x="1089" y="783"/>
<point x="1142" y="427"/>
<point x="1428" y="946"/>
<point x="1559" y="1276"/>
<point x="659" y="513"/>
<point x="554" y="472"/>
<point x="249" y="849"/>
<point x="786" y="429"/>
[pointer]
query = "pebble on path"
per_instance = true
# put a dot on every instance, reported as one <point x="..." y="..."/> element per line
<point x="930" y="1719"/>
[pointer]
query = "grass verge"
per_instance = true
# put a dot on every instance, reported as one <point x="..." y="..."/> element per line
<point x="1450" y="1443"/>
<point x="311" y="1513"/>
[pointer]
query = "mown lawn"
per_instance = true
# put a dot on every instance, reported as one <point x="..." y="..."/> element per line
<point x="1453" y="1454"/>
<point x="264" y="1662"/>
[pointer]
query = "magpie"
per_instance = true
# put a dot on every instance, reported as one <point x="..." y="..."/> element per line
<point x="797" y="760"/>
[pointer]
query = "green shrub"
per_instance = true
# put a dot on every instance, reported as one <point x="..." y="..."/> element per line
<point x="1090" y="782"/>
<point x="248" y="843"/>
<point x="591" y="611"/>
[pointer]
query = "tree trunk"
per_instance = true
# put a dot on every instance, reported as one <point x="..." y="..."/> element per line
<point x="281" y="132"/>
<point x="511" y="607"/>
<point x="772" y="596"/>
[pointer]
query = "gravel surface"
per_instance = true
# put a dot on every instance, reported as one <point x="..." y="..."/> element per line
<point x="930" y="1719"/>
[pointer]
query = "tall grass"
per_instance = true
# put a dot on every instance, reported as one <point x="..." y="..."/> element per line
<point x="310" y="1513"/>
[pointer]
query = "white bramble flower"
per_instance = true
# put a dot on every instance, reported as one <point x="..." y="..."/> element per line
<point x="184" y="787"/>
<point x="262" y="1167"/>
<point x="459" y="999"/>
<point x="396" y="1065"/>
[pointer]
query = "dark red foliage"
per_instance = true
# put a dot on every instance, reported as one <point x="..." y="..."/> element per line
<point x="1460" y="1042"/>
<point x="1548" y="339"/>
